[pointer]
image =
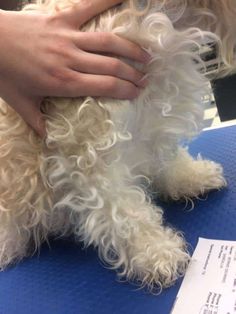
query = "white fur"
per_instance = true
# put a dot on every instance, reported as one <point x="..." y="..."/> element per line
<point x="91" y="175"/>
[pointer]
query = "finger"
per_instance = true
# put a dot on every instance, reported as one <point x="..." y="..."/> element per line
<point x="85" y="10"/>
<point x="102" y="65"/>
<point x="99" y="85"/>
<point x="31" y="114"/>
<point x="110" y="43"/>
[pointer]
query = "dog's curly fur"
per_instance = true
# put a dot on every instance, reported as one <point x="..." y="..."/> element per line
<point x="90" y="177"/>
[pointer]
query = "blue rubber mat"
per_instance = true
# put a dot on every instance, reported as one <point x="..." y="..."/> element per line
<point x="66" y="279"/>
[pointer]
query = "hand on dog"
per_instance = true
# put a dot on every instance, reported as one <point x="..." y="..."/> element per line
<point x="46" y="55"/>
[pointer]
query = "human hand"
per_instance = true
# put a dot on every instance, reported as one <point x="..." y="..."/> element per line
<point x="45" y="55"/>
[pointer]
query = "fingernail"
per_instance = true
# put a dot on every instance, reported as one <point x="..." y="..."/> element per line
<point x="137" y="92"/>
<point x="146" y="57"/>
<point x="143" y="82"/>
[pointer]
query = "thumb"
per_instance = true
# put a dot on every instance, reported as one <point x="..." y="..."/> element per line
<point x="29" y="110"/>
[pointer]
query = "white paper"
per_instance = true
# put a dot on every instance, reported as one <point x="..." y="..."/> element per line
<point x="209" y="286"/>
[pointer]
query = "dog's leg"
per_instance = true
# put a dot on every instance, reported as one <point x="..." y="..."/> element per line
<point x="155" y="256"/>
<point x="14" y="242"/>
<point x="23" y="209"/>
<point x="129" y="234"/>
<point x="24" y="221"/>
<point x="24" y="217"/>
<point x="185" y="177"/>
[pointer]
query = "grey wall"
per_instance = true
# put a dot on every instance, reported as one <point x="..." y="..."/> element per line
<point x="8" y="4"/>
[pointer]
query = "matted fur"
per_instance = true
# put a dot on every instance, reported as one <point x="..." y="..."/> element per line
<point x="90" y="177"/>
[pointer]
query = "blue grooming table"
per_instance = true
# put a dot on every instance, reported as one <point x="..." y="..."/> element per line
<point x="65" y="279"/>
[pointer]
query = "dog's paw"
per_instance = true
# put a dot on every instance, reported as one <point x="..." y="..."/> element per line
<point x="11" y="252"/>
<point x="211" y="175"/>
<point x="206" y="176"/>
<point x="158" y="260"/>
<point x="189" y="178"/>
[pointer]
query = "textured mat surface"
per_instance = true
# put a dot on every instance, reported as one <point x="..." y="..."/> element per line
<point x="68" y="280"/>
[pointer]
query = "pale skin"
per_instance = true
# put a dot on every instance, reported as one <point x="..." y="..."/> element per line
<point x="46" y="55"/>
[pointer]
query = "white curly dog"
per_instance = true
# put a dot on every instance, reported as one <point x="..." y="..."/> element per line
<point x="90" y="177"/>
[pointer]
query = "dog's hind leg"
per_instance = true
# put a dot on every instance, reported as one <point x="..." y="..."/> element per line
<point x="14" y="242"/>
<point x="184" y="177"/>
<point x="129" y="234"/>
<point x="24" y="218"/>
<point x="22" y="194"/>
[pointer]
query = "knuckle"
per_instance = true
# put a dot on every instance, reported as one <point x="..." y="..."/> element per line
<point x="105" y="39"/>
<point x="75" y="85"/>
<point x="137" y="76"/>
<point x="134" y="75"/>
<point x="115" y="66"/>
<point x="133" y="92"/>
<point x="51" y="18"/>
<point x="62" y="48"/>
<point x="112" y="84"/>
<point x="59" y="47"/>
<point x="61" y="77"/>
<point x="86" y="4"/>
<point x="130" y="91"/>
<point x="136" y="50"/>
